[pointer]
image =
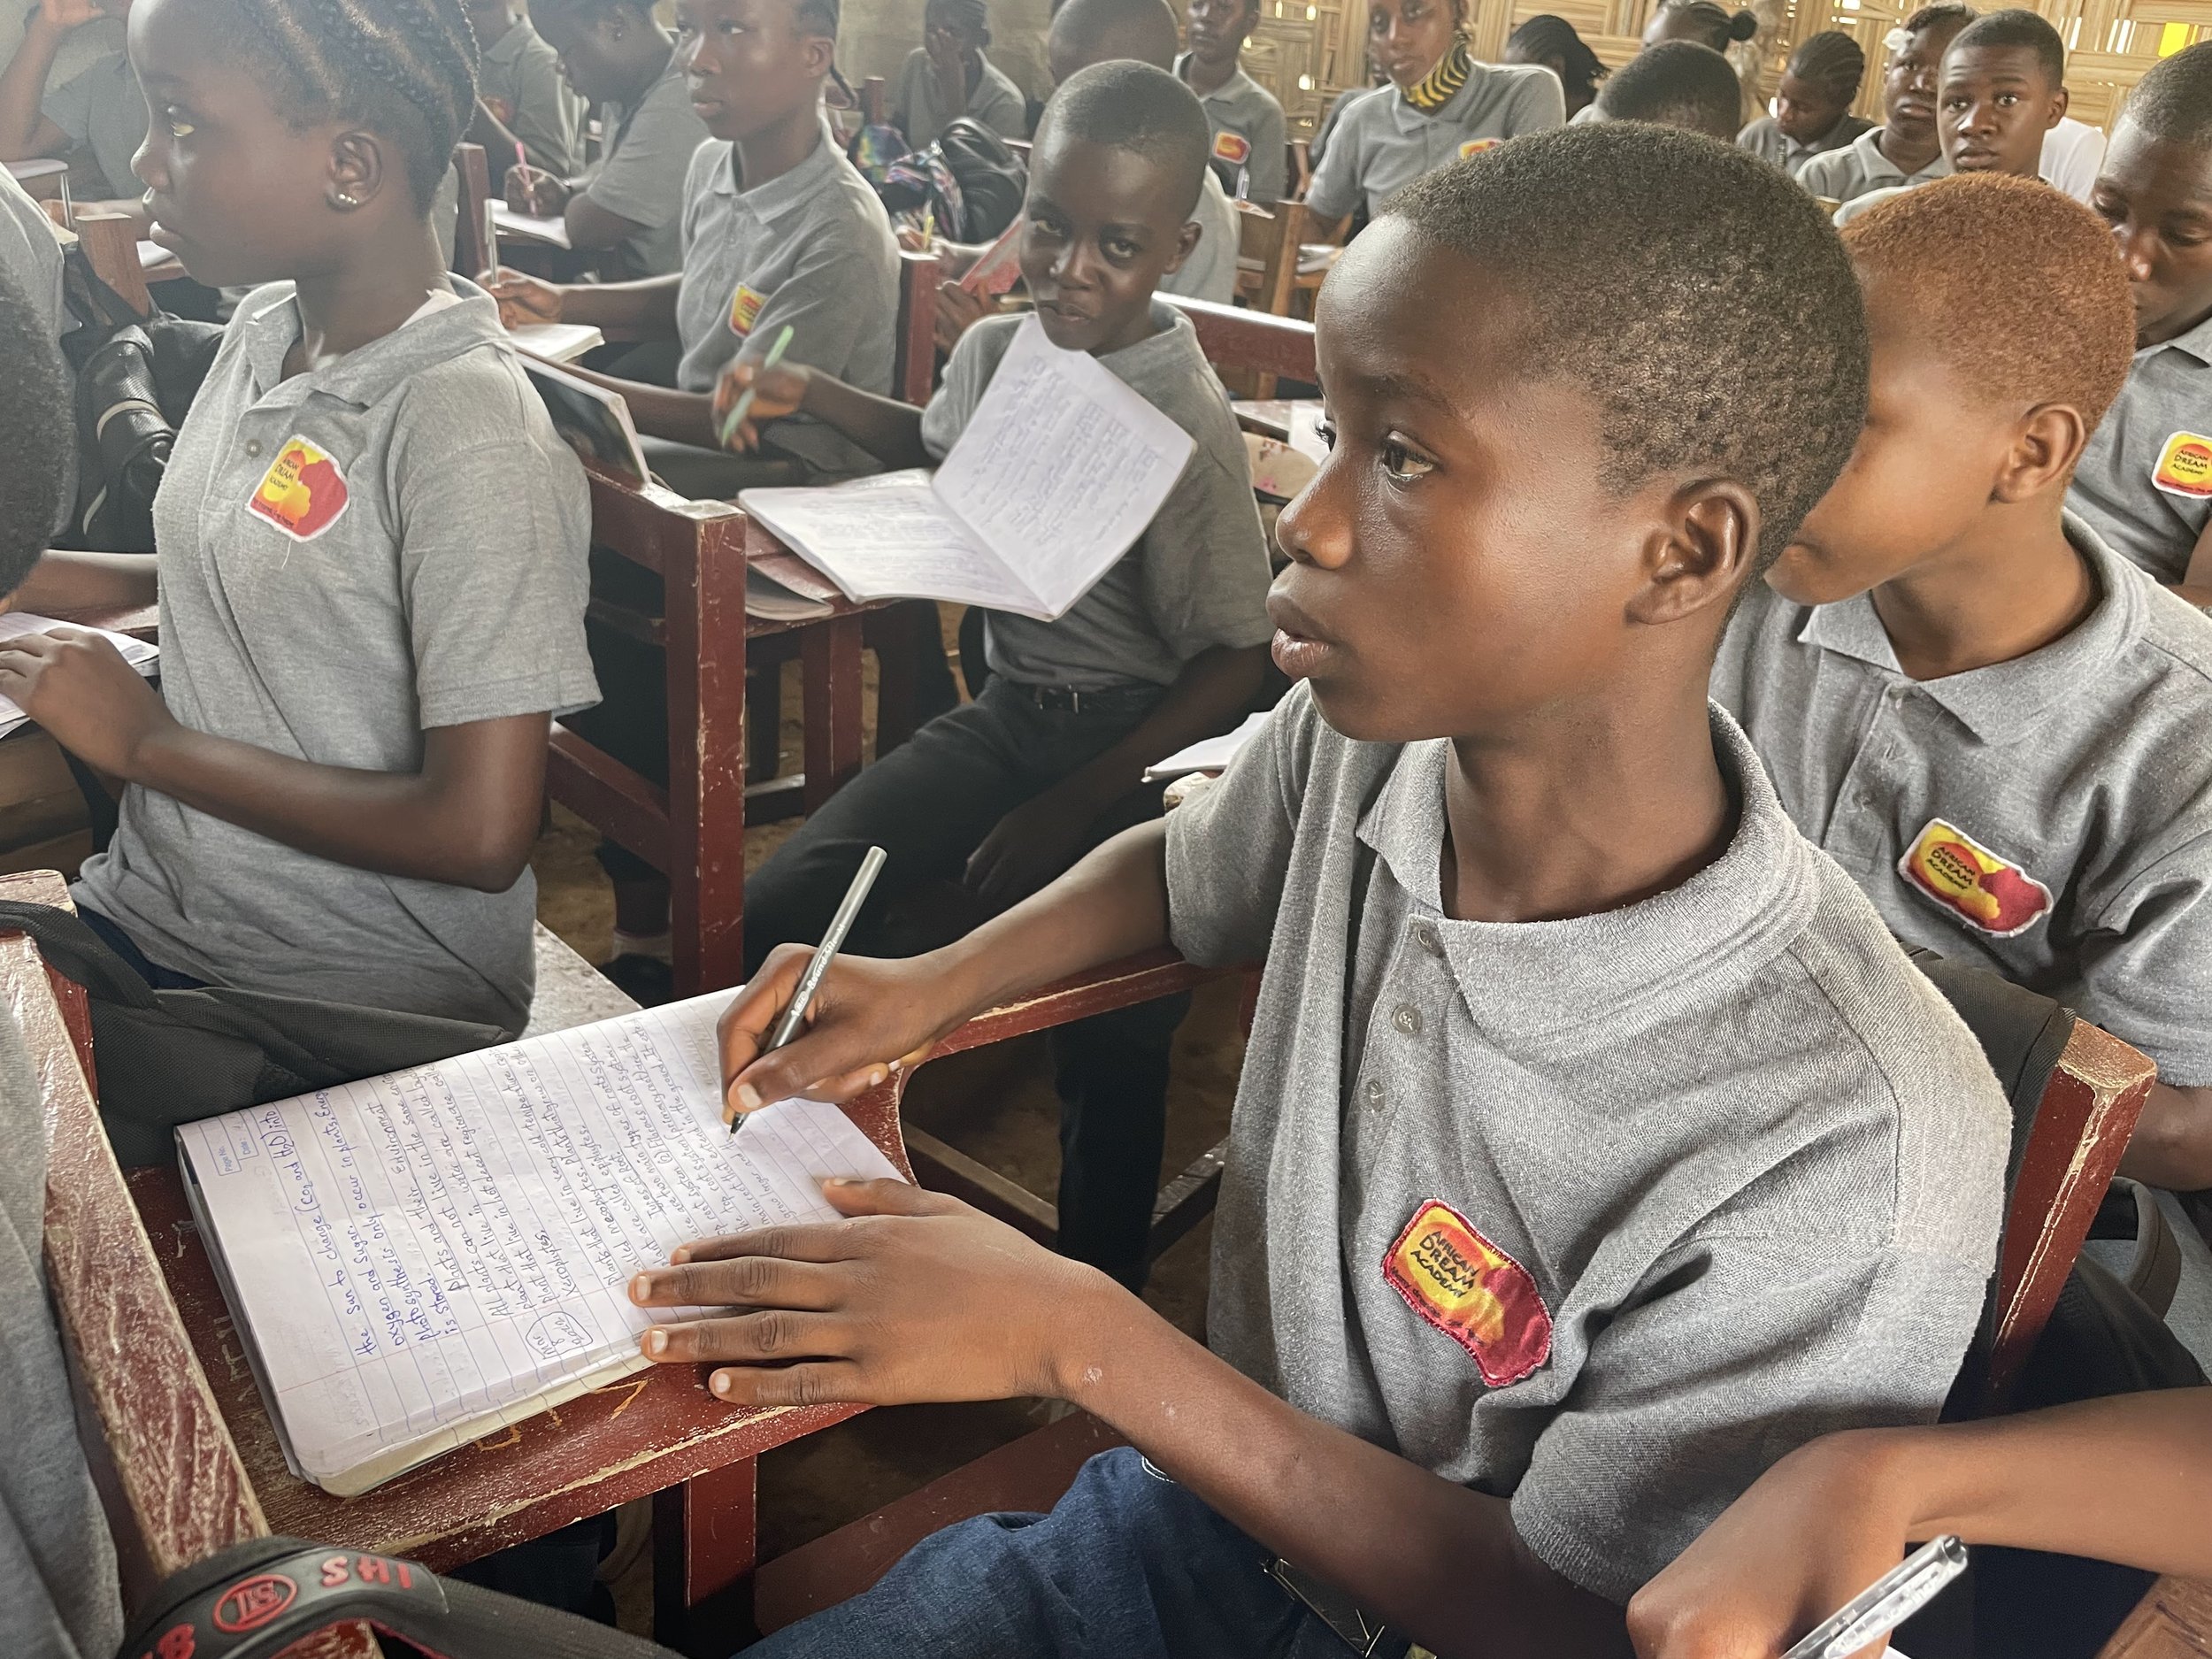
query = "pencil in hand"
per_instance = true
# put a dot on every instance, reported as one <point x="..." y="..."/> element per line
<point x="744" y="404"/>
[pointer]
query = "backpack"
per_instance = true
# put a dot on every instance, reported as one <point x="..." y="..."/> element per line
<point x="992" y="179"/>
<point x="136" y="378"/>
<point x="171" y="1058"/>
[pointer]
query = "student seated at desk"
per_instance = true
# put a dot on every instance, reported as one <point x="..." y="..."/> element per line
<point x="1991" y="719"/>
<point x="1166" y="649"/>
<point x="520" y="96"/>
<point x="2002" y="89"/>
<point x="2126" y="1479"/>
<point x="1812" y="103"/>
<point x="371" y="547"/>
<point x="1904" y="149"/>
<point x="778" y="228"/>
<point x="99" y="111"/>
<point x="628" y="206"/>
<point x="1676" y="83"/>
<point x="1595" y="1143"/>
<point x="948" y="76"/>
<point x="2145" y="481"/>
<point x="1440" y="106"/>
<point x="1251" y="150"/>
<point x="1552" y="42"/>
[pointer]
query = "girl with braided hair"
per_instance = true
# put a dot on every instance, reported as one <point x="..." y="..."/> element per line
<point x="1552" y="42"/>
<point x="370" y="544"/>
<point x="1812" y="103"/>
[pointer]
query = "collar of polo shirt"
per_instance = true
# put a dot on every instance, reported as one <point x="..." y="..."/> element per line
<point x="785" y="192"/>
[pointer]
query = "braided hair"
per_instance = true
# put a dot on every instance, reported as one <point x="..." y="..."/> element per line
<point x="1543" y="38"/>
<point x="403" y="69"/>
<point x="1832" y="61"/>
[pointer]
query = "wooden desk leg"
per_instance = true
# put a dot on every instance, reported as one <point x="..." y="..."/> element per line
<point x="830" y="662"/>
<point x="705" y="1537"/>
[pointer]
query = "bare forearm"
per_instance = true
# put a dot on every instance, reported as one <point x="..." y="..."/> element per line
<point x="397" y="824"/>
<point x="2127" y="1479"/>
<point x="888" y="429"/>
<point x="1207" y="697"/>
<point x="648" y="306"/>
<point x="1415" y="1549"/>
<point x="2172" y="1144"/>
<point x="82" y="581"/>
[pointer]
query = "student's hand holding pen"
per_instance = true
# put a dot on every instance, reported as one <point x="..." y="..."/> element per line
<point x="866" y="1017"/>
<point x="524" y="300"/>
<point x="777" y="391"/>
<point x="534" y="191"/>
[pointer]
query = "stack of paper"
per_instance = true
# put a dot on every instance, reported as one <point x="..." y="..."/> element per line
<point x="555" y="342"/>
<point x="15" y="623"/>
<point x="509" y="223"/>
<point x="418" y="1259"/>
<point x="1209" y="753"/>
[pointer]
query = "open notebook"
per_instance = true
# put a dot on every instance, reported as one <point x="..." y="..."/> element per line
<point x="417" y="1260"/>
<point x="1058" y="473"/>
<point x="15" y="623"/>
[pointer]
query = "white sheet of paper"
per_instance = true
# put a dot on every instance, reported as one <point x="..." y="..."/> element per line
<point x="557" y="342"/>
<point x="420" y="1257"/>
<point x="15" y="623"/>
<point x="1208" y="753"/>
<point x="509" y="222"/>
<point x="889" y="536"/>
<point x="1060" y="468"/>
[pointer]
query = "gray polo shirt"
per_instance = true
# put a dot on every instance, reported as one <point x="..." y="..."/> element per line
<point x="641" y="174"/>
<point x="812" y="249"/>
<point x="520" y="79"/>
<point x="1197" y="578"/>
<point x="2144" y="482"/>
<point x="348" y="559"/>
<point x="1765" y="139"/>
<point x="1860" y="166"/>
<point x="920" y="113"/>
<point x="31" y="255"/>
<point x="103" y="110"/>
<point x="2048" y="819"/>
<point x="1248" y="134"/>
<point x="1211" y="273"/>
<point x="1603" y="1214"/>
<point x="1382" y="144"/>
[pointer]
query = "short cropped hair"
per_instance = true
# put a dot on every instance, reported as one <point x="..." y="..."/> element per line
<point x="1099" y="30"/>
<point x="2018" y="26"/>
<point x="1832" y="61"/>
<point x="1132" y="106"/>
<point x="2173" y="100"/>
<point x="403" y="69"/>
<point x="1739" y="350"/>
<point x="2031" y="300"/>
<point x="35" y="433"/>
<point x="1949" y="15"/>
<point x="1676" y="83"/>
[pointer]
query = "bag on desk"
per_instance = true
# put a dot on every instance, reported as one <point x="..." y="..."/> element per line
<point x="136" y="376"/>
<point x="171" y="1058"/>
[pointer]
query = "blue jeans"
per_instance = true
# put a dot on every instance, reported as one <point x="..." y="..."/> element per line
<point x="1128" y="1565"/>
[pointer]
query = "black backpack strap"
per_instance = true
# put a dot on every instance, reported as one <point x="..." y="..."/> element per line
<point x="74" y="950"/>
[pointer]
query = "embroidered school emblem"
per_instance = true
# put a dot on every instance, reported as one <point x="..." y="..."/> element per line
<point x="1988" y="892"/>
<point x="1476" y="146"/>
<point x="1232" y="149"/>
<point x="745" y="309"/>
<point x="1471" y="1291"/>
<point x="2185" y="467"/>
<point x="302" y="492"/>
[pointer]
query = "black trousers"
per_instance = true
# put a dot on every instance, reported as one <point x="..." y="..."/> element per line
<point x="929" y="804"/>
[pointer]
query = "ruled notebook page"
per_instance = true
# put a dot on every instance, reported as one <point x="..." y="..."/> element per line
<point x="421" y="1258"/>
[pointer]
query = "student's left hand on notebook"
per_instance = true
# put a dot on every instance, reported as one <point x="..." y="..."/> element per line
<point x="1029" y="847"/>
<point x="916" y="1296"/>
<point x="777" y="392"/>
<point x="90" y="701"/>
<point x="1809" y="1534"/>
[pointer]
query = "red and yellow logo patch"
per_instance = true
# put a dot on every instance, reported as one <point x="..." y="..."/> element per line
<point x="1471" y="1291"/>
<point x="1476" y="146"/>
<point x="745" y="309"/>
<point x="2185" y="467"/>
<point x="1232" y="149"/>
<point x="1964" y="877"/>
<point x="302" y="492"/>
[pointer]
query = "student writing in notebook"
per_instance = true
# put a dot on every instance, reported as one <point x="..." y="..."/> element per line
<point x="370" y="546"/>
<point x="1005" y="792"/>
<point x="2145" y="481"/>
<point x="1595" y="1143"/>
<point x="521" y="98"/>
<point x="627" y="207"/>
<point x="1986" y="715"/>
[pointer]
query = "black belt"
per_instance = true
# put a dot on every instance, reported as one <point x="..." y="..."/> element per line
<point x="1077" y="699"/>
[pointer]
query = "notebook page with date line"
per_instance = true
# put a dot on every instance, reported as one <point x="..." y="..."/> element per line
<point x="418" y="1259"/>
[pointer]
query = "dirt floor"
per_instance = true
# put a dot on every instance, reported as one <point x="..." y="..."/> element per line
<point x="997" y="1106"/>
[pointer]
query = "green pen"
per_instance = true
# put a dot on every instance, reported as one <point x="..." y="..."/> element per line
<point x="744" y="404"/>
